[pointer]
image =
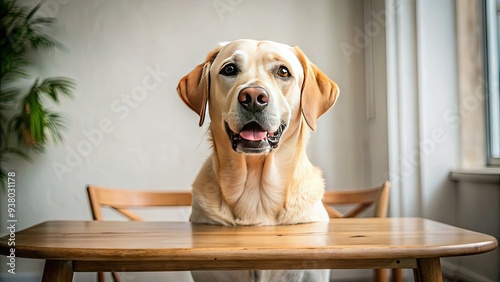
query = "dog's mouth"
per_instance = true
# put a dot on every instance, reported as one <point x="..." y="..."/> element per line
<point x="254" y="139"/>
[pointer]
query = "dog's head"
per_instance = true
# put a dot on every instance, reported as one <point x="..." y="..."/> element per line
<point x="256" y="90"/>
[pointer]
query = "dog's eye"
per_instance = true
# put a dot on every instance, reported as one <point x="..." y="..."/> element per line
<point x="229" y="70"/>
<point x="283" y="72"/>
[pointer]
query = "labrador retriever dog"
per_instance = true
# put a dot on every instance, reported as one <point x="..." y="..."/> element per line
<point x="263" y="98"/>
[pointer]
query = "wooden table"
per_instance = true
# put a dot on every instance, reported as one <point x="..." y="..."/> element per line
<point x="91" y="246"/>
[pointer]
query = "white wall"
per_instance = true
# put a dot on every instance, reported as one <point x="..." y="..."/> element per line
<point x="424" y="145"/>
<point x="127" y="126"/>
<point x="479" y="211"/>
<point x="401" y="77"/>
<point x="424" y="131"/>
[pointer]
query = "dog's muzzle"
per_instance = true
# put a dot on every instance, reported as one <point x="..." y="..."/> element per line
<point x="253" y="139"/>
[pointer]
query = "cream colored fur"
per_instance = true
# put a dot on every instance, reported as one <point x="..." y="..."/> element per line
<point x="280" y="185"/>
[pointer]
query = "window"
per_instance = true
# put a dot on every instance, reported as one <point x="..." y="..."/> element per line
<point x="492" y="62"/>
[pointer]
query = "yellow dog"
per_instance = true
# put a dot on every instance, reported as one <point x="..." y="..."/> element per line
<point x="263" y="99"/>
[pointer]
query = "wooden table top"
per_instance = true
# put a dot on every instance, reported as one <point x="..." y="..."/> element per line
<point x="355" y="238"/>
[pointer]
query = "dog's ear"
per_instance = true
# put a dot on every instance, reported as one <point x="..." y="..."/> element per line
<point x="194" y="88"/>
<point x="318" y="93"/>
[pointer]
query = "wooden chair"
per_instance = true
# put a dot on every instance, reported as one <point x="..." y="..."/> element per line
<point x="121" y="200"/>
<point x="363" y="199"/>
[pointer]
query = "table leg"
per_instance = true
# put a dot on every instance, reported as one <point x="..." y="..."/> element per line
<point x="428" y="270"/>
<point x="58" y="271"/>
<point x="380" y="275"/>
<point x="397" y="275"/>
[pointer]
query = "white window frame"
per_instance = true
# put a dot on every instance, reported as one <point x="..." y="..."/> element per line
<point x="492" y="71"/>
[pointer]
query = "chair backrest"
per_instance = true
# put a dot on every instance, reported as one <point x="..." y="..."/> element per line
<point x="362" y="199"/>
<point x="123" y="199"/>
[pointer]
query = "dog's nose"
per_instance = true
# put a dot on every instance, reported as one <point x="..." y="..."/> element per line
<point x="253" y="99"/>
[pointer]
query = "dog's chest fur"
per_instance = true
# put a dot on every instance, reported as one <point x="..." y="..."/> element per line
<point x="257" y="195"/>
<point x="255" y="192"/>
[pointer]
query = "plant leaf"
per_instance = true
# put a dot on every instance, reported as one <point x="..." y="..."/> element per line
<point x="17" y="152"/>
<point x="54" y="124"/>
<point x="42" y="21"/>
<point x="56" y="86"/>
<point x="21" y="31"/>
<point x="3" y="178"/>
<point x="9" y="96"/>
<point x="33" y="11"/>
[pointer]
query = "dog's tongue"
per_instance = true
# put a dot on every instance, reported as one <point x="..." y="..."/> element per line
<point x="253" y="135"/>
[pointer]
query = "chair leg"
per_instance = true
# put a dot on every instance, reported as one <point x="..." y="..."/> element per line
<point x="116" y="277"/>
<point x="100" y="277"/>
<point x="397" y="275"/>
<point x="380" y="275"/>
<point x="416" y="275"/>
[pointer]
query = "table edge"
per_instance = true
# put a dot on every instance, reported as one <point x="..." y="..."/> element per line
<point x="60" y="253"/>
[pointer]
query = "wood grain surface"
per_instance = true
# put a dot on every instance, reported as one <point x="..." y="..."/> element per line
<point x="340" y="239"/>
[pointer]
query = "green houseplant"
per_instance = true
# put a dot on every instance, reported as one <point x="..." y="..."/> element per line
<point x="24" y="112"/>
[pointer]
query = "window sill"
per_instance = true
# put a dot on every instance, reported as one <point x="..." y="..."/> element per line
<point x="478" y="175"/>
